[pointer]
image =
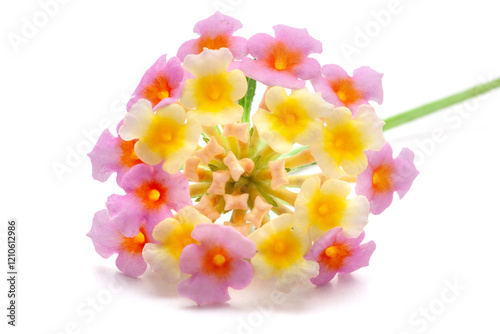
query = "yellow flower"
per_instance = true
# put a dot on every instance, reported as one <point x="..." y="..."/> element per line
<point x="164" y="135"/>
<point x="321" y="209"/>
<point x="173" y="234"/>
<point x="291" y="118"/>
<point x="280" y="253"/>
<point x="214" y="92"/>
<point x="344" y="139"/>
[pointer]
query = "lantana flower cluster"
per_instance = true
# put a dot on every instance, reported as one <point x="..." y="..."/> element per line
<point x="215" y="187"/>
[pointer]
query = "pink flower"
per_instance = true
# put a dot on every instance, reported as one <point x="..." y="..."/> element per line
<point x="385" y="175"/>
<point x="215" y="264"/>
<point x="162" y="83"/>
<point x="108" y="240"/>
<point x="151" y="194"/>
<point x="216" y="32"/>
<point x="338" y="88"/>
<point x="337" y="254"/>
<point x="283" y="60"/>
<point x="112" y="155"/>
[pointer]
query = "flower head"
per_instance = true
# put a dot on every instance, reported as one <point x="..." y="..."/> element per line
<point x="337" y="254"/>
<point x="282" y="60"/>
<point x="216" y="32"/>
<point x="172" y="234"/>
<point x="214" y="92"/>
<point x="151" y="195"/>
<point x="164" y="135"/>
<point x="280" y="253"/>
<point x="321" y="209"/>
<point x="384" y="176"/>
<point x="290" y="118"/>
<point x="344" y="139"/>
<point x="162" y="83"/>
<point x="109" y="240"/>
<point x="112" y="155"/>
<point x="216" y="263"/>
<point x="342" y="90"/>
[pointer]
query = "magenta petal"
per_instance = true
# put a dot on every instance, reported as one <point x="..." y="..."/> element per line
<point x="217" y="24"/>
<point x="334" y="72"/>
<point x="238" y="47"/>
<point x="259" y="44"/>
<point x="241" y="275"/>
<point x="203" y="290"/>
<point x="321" y="85"/>
<point x="233" y="241"/>
<point x="104" y="156"/>
<point x="208" y="285"/>
<point x="360" y="258"/>
<point x="359" y="254"/>
<point x="324" y="276"/>
<point x="298" y="38"/>
<point x="187" y="48"/>
<point x="171" y="71"/>
<point x="381" y="157"/>
<point x="405" y="171"/>
<point x="364" y="185"/>
<point x="126" y="213"/>
<point x="131" y="264"/>
<point x="369" y="82"/>
<point x="308" y="69"/>
<point x="105" y="236"/>
<point x="190" y="259"/>
<point x="260" y="71"/>
<point x="380" y="201"/>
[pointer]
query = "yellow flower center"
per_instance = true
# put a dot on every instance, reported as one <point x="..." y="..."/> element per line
<point x="344" y="142"/>
<point x="289" y="119"/>
<point x="281" y="249"/>
<point x="180" y="238"/>
<point x="280" y="63"/>
<point x="165" y="136"/>
<point x="163" y="94"/>
<point x="213" y="92"/>
<point x="139" y="239"/>
<point x="326" y="211"/>
<point x="154" y="195"/>
<point x="219" y="260"/>
<point x="331" y="251"/>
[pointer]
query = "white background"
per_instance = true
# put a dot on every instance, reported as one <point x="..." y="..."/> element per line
<point x="76" y="73"/>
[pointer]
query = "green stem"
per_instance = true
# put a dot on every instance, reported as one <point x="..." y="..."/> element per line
<point x="246" y="101"/>
<point x="429" y="108"/>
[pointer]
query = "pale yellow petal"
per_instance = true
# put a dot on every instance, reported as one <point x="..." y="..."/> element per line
<point x="137" y="121"/>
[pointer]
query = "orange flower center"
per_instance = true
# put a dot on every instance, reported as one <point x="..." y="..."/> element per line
<point x="135" y="244"/>
<point x="334" y="256"/>
<point x="382" y="179"/>
<point x="128" y="157"/>
<point x="152" y="194"/>
<point x="160" y="89"/>
<point x="217" y="262"/>
<point x="345" y="90"/>
<point x="213" y="43"/>
<point x="282" y="58"/>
